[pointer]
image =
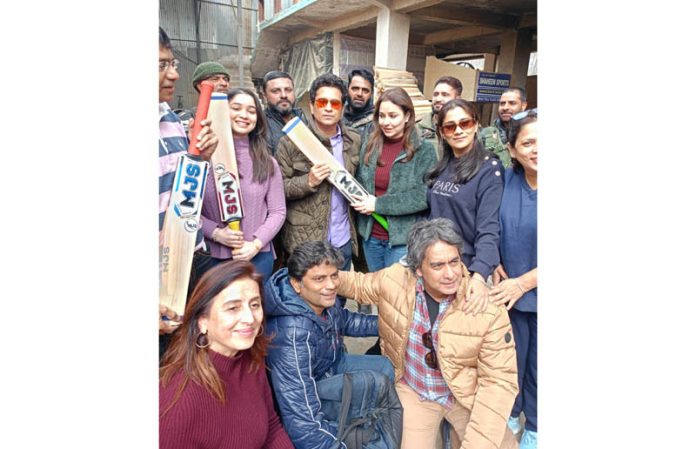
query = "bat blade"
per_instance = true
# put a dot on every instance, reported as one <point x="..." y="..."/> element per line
<point x="317" y="153"/>
<point x="182" y="216"/>
<point x="224" y="162"/>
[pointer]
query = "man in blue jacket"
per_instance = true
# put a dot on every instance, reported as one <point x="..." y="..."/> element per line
<point x="307" y="326"/>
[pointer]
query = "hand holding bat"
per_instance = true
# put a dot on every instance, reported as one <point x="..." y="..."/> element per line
<point x="248" y="251"/>
<point x="364" y="205"/>
<point x="318" y="173"/>
<point x="228" y="237"/>
<point x="207" y="140"/>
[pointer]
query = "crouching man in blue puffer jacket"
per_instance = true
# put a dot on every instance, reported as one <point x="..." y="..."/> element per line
<point x="307" y="327"/>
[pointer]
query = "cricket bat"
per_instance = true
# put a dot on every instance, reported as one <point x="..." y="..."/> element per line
<point x="224" y="163"/>
<point x="182" y="215"/>
<point x="316" y="152"/>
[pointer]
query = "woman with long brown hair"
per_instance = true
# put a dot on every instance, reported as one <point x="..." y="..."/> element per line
<point x="392" y="164"/>
<point x="214" y="392"/>
<point x="261" y="186"/>
<point x="466" y="186"/>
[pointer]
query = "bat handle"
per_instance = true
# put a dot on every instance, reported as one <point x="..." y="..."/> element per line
<point x="381" y="220"/>
<point x="206" y="88"/>
<point x="234" y="225"/>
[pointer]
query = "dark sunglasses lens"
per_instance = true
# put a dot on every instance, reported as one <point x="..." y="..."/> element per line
<point x="448" y="129"/>
<point x="428" y="340"/>
<point x="431" y="359"/>
<point x="465" y="123"/>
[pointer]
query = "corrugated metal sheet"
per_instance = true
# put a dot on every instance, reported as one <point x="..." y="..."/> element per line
<point x="218" y="31"/>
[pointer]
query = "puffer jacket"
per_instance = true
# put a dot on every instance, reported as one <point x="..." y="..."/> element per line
<point x="308" y="208"/>
<point x="406" y="198"/>
<point x="304" y="349"/>
<point x="476" y="352"/>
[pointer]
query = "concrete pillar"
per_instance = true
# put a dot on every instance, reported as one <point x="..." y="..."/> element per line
<point x="515" y="47"/>
<point x="489" y="109"/>
<point x="336" y="68"/>
<point x="391" y="43"/>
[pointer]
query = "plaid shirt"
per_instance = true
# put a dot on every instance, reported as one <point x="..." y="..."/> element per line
<point x="427" y="382"/>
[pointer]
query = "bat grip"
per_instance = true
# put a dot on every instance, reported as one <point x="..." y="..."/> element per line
<point x="381" y="220"/>
<point x="206" y="88"/>
<point x="233" y="225"/>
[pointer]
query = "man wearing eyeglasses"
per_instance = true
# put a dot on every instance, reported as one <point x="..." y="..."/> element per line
<point x="315" y="209"/>
<point x="494" y="138"/>
<point x="172" y="141"/>
<point x="446" y="88"/>
<point x="452" y="359"/>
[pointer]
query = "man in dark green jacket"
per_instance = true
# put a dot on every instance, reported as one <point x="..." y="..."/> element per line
<point x="494" y="137"/>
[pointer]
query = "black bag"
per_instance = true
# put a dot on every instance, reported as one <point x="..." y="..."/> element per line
<point x="365" y="407"/>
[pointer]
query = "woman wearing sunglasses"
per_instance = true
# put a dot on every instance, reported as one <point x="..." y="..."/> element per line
<point x="261" y="186"/>
<point x="515" y="281"/>
<point x="392" y="164"/>
<point x="214" y="392"/>
<point x="466" y="186"/>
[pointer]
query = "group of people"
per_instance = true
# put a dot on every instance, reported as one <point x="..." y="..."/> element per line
<point x="452" y="274"/>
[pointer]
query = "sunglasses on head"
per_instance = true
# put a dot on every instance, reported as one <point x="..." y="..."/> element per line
<point x="430" y="357"/>
<point x="523" y="114"/>
<point x="449" y="128"/>
<point x="322" y="102"/>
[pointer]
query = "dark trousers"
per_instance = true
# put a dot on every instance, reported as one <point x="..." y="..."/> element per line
<point x="524" y="328"/>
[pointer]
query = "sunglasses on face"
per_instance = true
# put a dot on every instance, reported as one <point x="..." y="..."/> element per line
<point x="523" y="114"/>
<point x="322" y="102"/>
<point x="449" y="128"/>
<point x="430" y="357"/>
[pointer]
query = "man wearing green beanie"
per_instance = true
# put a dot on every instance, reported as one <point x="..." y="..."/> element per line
<point x="213" y="72"/>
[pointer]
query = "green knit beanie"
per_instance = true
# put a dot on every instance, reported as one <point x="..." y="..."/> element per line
<point x="208" y="69"/>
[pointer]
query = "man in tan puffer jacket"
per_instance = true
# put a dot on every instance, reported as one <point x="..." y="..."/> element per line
<point x="453" y="358"/>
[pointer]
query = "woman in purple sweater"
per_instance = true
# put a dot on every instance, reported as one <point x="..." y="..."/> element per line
<point x="214" y="392"/>
<point x="261" y="185"/>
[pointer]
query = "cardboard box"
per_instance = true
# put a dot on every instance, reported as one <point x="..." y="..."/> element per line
<point x="483" y="87"/>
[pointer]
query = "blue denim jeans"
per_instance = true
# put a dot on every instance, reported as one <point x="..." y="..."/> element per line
<point x="355" y="362"/>
<point x="380" y="254"/>
<point x="263" y="262"/>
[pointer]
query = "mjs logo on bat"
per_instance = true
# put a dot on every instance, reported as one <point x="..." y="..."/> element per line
<point x="228" y="192"/>
<point x="189" y="185"/>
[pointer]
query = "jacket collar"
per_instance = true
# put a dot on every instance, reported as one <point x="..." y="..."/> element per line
<point x="347" y="140"/>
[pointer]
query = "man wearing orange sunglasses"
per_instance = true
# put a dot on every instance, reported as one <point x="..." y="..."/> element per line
<point x="315" y="209"/>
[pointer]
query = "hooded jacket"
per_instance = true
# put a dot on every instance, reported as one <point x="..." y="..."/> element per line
<point x="476" y="352"/>
<point x="306" y="348"/>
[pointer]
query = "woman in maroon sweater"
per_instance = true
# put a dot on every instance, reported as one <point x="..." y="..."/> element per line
<point x="214" y="392"/>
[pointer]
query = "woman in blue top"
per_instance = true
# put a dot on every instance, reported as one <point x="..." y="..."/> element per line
<point x="466" y="186"/>
<point x="515" y="281"/>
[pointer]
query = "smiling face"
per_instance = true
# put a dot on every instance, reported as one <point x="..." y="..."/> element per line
<point x="462" y="140"/>
<point x="242" y="114"/>
<point x="234" y="318"/>
<point x="318" y="287"/>
<point x="509" y="105"/>
<point x="168" y="77"/>
<point x="442" y="93"/>
<point x="328" y="116"/>
<point x="525" y="149"/>
<point x="392" y="120"/>
<point x="441" y="270"/>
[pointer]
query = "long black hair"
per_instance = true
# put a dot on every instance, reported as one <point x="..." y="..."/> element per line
<point x="466" y="166"/>
<point x="262" y="165"/>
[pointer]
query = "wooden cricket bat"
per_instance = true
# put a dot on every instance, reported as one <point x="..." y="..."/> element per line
<point x="317" y="153"/>
<point x="183" y="214"/>
<point x="224" y="163"/>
